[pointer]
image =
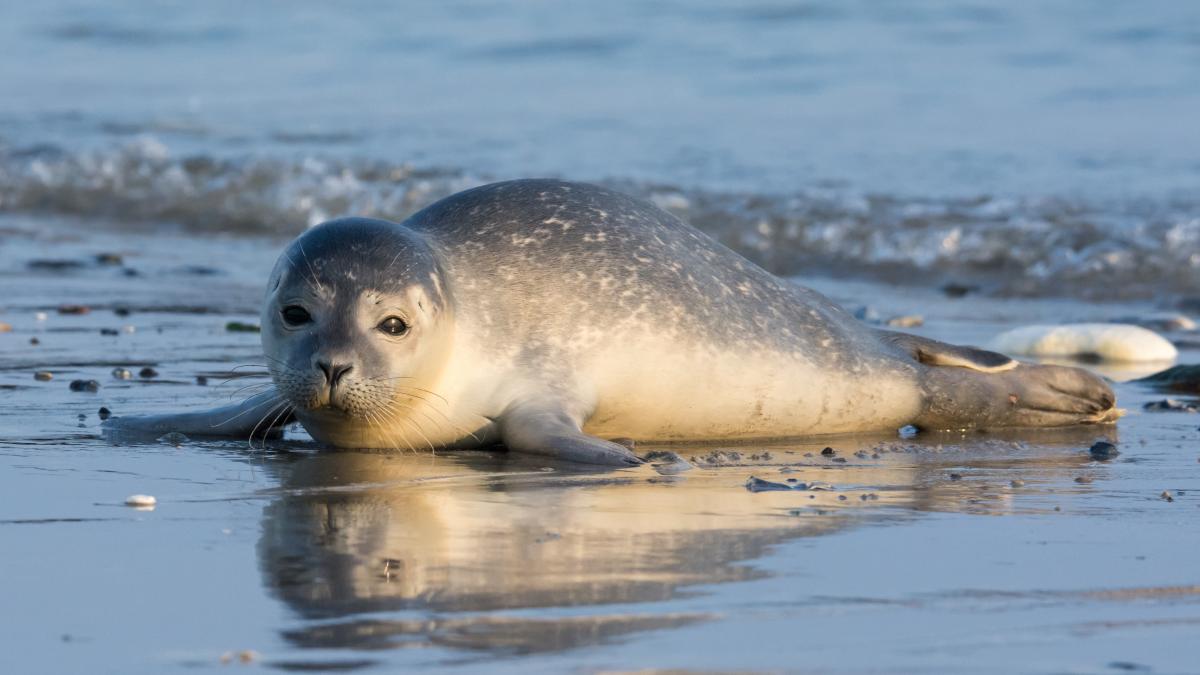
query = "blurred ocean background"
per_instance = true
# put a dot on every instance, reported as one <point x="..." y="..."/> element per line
<point x="1048" y="148"/>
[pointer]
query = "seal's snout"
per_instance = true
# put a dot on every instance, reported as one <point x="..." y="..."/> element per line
<point x="334" y="372"/>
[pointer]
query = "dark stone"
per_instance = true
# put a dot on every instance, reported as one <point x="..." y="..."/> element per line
<point x="1103" y="451"/>
<point x="85" y="385"/>
<point x="957" y="290"/>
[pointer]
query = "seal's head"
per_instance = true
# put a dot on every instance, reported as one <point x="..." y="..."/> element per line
<point x="356" y="321"/>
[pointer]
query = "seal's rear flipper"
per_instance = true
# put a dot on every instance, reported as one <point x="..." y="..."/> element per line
<point x="546" y="429"/>
<point x="1023" y="396"/>
<point x="934" y="353"/>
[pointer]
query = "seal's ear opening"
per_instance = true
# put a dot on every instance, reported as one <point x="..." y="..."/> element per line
<point x="421" y="302"/>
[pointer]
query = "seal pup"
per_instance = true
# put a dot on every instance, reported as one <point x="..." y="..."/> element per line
<point x="549" y="315"/>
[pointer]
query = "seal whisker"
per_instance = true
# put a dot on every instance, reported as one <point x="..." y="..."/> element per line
<point x="275" y="399"/>
<point x="411" y="448"/>
<point x="311" y="269"/>
<point x="409" y="386"/>
<point x="397" y="417"/>
<point x="375" y="421"/>
<point x="281" y="414"/>
<point x="449" y="422"/>
<point x="249" y="386"/>
<point x="250" y="438"/>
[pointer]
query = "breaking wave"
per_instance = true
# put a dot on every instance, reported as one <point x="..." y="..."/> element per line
<point x="1032" y="246"/>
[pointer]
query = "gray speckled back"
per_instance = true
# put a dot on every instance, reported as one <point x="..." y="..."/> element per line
<point x="539" y="258"/>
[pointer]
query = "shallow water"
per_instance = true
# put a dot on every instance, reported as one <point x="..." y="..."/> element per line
<point x="923" y="558"/>
<point x="1033" y="148"/>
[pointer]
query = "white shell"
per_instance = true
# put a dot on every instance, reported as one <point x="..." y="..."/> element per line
<point x="141" y="501"/>
<point x="1107" y="341"/>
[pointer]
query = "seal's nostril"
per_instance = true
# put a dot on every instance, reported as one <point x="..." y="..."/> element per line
<point x="334" y="371"/>
<point x="337" y="371"/>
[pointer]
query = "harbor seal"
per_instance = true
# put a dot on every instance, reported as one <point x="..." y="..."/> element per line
<point x="548" y="316"/>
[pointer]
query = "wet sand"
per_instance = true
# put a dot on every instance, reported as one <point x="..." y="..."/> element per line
<point x="1000" y="553"/>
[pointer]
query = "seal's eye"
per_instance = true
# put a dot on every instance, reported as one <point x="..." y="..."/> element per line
<point x="393" y="325"/>
<point x="295" y="315"/>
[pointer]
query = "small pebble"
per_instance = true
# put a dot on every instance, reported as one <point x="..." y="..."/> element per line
<point x="141" y="501"/>
<point x="5" y="328"/>
<point x="122" y="373"/>
<point x="956" y="476"/>
<point x="1166" y="496"/>
<point x="43" y="376"/>
<point x="34" y="341"/>
<point x="109" y="258"/>
<point x="247" y="656"/>
<point x="129" y="329"/>
<point x="1103" y="450"/>
<point x="85" y="385"/>
<point x="81" y="417"/>
<point x="74" y="309"/>
<point x="110" y="331"/>
<point x="1083" y="480"/>
<point x="40" y="316"/>
<point x="908" y="431"/>
<point x="839" y="460"/>
<point x="104" y="413"/>
<point x="202" y="380"/>
<point x="121" y="311"/>
<point x="841" y="498"/>
<point x="667" y="463"/>
<point x="908" y="321"/>
<point x="147" y="373"/>
<point x="1017" y="483"/>
<point x="829" y="452"/>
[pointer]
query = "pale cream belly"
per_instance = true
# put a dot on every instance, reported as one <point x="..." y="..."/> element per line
<point x="674" y="397"/>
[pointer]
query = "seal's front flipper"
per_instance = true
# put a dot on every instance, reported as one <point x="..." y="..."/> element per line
<point x="934" y="353"/>
<point x="259" y="416"/>
<point x="1024" y="396"/>
<point x="551" y="431"/>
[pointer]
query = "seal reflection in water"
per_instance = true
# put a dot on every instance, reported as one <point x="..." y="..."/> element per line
<point x="358" y="536"/>
<point x="379" y="549"/>
<point x="547" y="316"/>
